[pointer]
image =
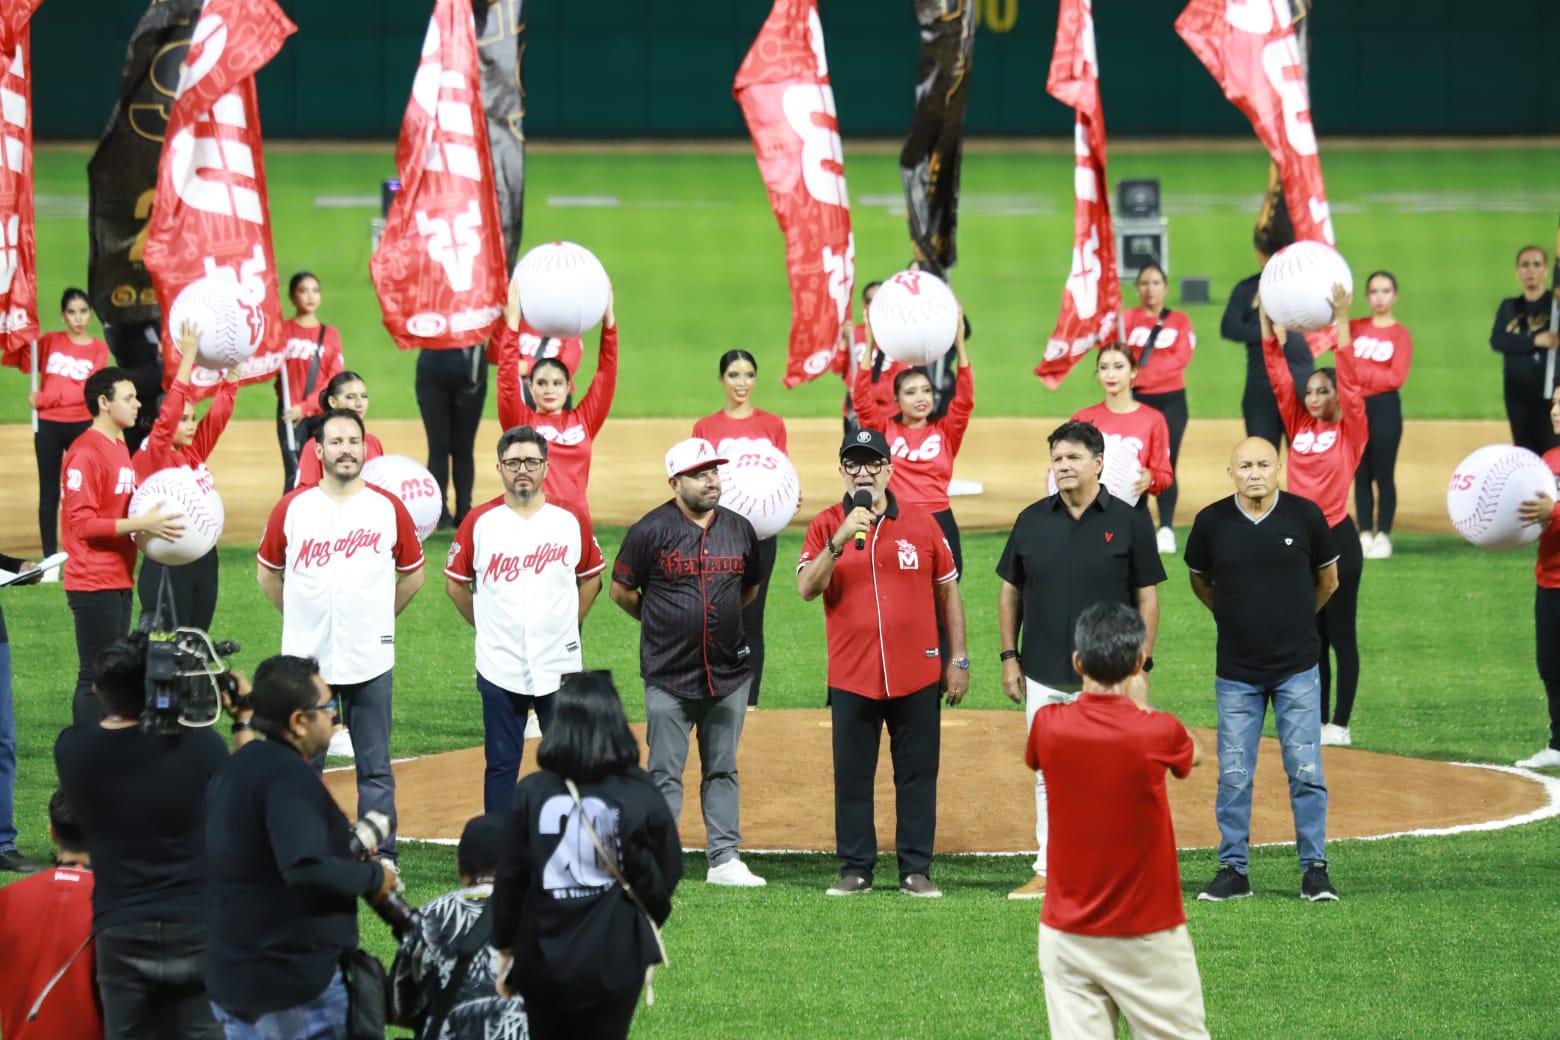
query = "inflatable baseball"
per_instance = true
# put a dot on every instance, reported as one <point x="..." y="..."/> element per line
<point x="1120" y="473"/>
<point x="1297" y="284"/>
<point x="231" y="325"/>
<point x="914" y="317"/>
<point x="1487" y="487"/>
<point x="191" y="494"/>
<point x="563" y="289"/>
<point x="413" y="485"/>
<point x="760" y="483"/>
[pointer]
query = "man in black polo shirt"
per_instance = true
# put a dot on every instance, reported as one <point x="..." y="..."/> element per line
<point x="1264" y="563"/>
<point x="1066" y="553"/>
<point x="684" y="572"/>
<point x="283" y="886"/>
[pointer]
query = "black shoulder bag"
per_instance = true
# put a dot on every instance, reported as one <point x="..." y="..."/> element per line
<point x="1153" y="334"/>
<point x="367" y="993"/>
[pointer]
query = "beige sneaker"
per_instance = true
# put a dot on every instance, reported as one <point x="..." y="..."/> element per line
<point x="1034" y="888"/>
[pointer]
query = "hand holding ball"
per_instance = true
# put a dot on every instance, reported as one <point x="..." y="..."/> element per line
<point x="413" y="485"/>
<point x="563" y="289"/>
<point x="1486" y="492"/>
<point x="1297" y="286"/>
<point x="191" y="515"/>
<point x="914" y="317"/>
<point x="230" y="326"/>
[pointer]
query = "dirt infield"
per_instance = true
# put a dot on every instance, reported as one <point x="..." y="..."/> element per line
<point x="985" y="795"/>
<point x="1006" y="455"/>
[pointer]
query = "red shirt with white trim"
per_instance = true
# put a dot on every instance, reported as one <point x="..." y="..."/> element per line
<point x="1548" y="568"/>
<point x="299" y="345"/>
<point x="525" y="574"/>
<point x="1143" y="431"/>
<point x="880" y="607"/>
<point x="63" y="370"/>
<point x="97" y="481"/>
<point x="722" y="430"/>
<point x="1382" y="356"/>
<point x="43" y="919"/>
<point x="1322" y="455"/>
<point x="1110" y="865"/>
<point x="1165" y="372"/>
<point x="570" y="432"/>
<point x="157" y="451"/>
<point x="923" y="456"/>
<point x="310" y="469"/>
<point x="340" y="561"/>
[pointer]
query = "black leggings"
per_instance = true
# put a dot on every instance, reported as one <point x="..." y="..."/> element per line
<point x="100" y="617"/>
<point x="194" y="588"/>
<point x="50" y="443"/>
<point x="1173" y="407"/>
<point x="1546" y="630"/>
<point x="607" y="1019"/>
<point x="1384" y="417"/>
<point x="451" y="406"/>
<point x="1527" y="412"/>
<point x="1337" y="623"/>
<point x="753" y="618"/>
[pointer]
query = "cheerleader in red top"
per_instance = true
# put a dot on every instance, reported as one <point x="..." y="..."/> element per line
<point x="739" y="421"/>
<point x="569" y="430"/>
<point x="1162" y="342"/>
<point x="923" y="450"/>
<point x="1327" y="435"/>
<point x="65" y="360"/>
<point x="312" y="358"/>
<point x="1383" y="350"/>
<point x="346" y="390"/>
<point x="177" y="440"/>
<point x="1546" y="602"/>
<point x="1130" y="424"/>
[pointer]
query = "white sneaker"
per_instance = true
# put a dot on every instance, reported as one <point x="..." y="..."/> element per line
<point x="341" y="744"/>
<point x="1367" y="542"/>
<point x="1381" y="548"/>
<point x="533" y="727"/>
<point x="1166" y="538"/>
<point x="52" y="576"/>
<point x="1335" y="736"/>
<point x="1548" y="758"/>
<point x="734" y="873"/>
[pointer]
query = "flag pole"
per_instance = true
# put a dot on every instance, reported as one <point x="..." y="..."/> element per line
<point x="33" y="348"/>
<point x="1554" y="321"/>
<point x="292" y="438"/>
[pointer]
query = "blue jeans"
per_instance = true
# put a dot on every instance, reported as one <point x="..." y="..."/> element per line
<point x="323" y="1018"/>
<point x="504" y="716"/>
<point x="365" y="710"/>
<point x="7" y="753"/>
<point x="1297" y="714"/>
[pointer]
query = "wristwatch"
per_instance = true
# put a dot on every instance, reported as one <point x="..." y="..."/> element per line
<point x="1148" y="665"/>
<point x="1009" y="655"/>
<point x="961" y="663"/>
<point x="239" y="727"/>
<point x="836" y="553"/>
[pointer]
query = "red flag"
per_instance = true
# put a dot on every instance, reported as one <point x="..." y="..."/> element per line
<point x="1091" y="301"/>
<point x="18" y="243"/>
<point x="783" y="90"/>
<point x="210" y="216"/>
<point x="440" y="267"/>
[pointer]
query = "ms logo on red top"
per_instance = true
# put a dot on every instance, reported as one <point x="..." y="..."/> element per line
<point x="69" y="367"/>
<point x="929" y="449"/>
<point x="569" y="436"/>
<point x="1369" y="348"/>
<point x="1115" y="442"/>
<point x="1312" y="442"/>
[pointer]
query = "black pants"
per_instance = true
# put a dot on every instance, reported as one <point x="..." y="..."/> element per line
<point x="289" y="457"/>
<point x="451" y="390"/>
<point x="1173" y="406"/>
<point x="1546" y="628"/>
<point x="49" y="446"/>
<point x="149" y="979"/>
<point x="914" y="743"/>
<point x="100" y="617"/>
<point x="753" y="618"/>
<point x="1527" y="411"/>
<point x="1377" y="472"/>
<point x="608" y="1019"/>
<point x="1259" y="409"/>
<point x="1337" y="623"/>
<point x="194" y="588"/>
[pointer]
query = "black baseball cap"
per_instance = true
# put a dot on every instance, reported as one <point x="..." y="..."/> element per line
<point x="479" y="842"/>
<point x="865" y="440"/>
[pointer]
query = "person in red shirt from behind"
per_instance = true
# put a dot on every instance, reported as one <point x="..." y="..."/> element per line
<point x="345" y="390"/>
<point x="311" y="353"/>
<point x="96" y="487"/>
<point x="1545" y="511"/>
<point x="1383" y="351"/>
<point x="1129" y="425"/>
<point x="1162" y="342"/>
<point x="44" y="920"/>
<point x="65" y="360"/>
<point x="177" y="440"/>
<point x="1113" y="936"/>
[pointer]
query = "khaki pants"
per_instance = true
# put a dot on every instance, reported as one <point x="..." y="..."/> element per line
<point x="1152" y="979"/>
<point x="1037" y="696"/>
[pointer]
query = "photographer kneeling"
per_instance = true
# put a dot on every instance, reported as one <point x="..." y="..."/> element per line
<point x="138" y="795"/>
<point x="282" y="879"/>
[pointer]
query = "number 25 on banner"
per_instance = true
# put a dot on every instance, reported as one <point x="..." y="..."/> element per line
<point x="809" y="109"/>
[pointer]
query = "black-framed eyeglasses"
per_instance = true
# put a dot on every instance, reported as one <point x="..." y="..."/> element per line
<point x="333" y="706"/>
<point x="855" y="468"/>
<point x="530" y="465"/>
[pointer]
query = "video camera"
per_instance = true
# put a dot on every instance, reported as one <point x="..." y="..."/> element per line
<point x="186" y="676"/>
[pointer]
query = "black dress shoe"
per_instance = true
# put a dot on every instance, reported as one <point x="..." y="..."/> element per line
<point x="16" y="863"/>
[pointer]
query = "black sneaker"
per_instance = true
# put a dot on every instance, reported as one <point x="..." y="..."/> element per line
<point x="1315" y="886"/>
<point x="13" y="862"/>
<point x="1228" y="883"/>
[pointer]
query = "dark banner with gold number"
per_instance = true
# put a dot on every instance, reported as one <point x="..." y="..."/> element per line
<point x="122" y="176"/>
<point x="929" y="160"/>
<point x="500" y="48"/>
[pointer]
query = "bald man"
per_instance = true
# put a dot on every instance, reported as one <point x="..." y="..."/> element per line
<point x="1263" y="561"/>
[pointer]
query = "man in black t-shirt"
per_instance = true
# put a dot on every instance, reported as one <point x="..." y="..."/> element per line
<point x="140" y="797"/>
<point x="1522" y="336"/>
<point x="1264" y="563"/>
<point x="684" y="572"/>
<point x="283" y="886"/>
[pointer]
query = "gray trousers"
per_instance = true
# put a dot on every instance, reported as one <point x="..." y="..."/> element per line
<point x="718" y="721"/>
<point x="365" y="709"/>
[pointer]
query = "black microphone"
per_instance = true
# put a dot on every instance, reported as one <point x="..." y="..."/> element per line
<point x="860" y="500"/>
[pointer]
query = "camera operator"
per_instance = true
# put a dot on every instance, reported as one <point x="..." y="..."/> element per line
<point x="282" y="881"/>
<point x="138" y="796"/>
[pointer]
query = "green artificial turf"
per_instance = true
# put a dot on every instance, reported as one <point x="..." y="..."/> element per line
<point x="1441" y="936"/>
<point x="698" y="262"/>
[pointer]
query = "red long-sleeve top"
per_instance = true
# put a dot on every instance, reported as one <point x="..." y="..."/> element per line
<point x="96" y="484"/>
<point x="1322" y="455"/>
<point x="1166" y="369"/>
<point x="1381" y="356"/>
<point x="569" y="433"/>
<point x="1547" y="570"/>
<point x="922" y="456"/>
<point x="1144" y="430"/>
<point x="158" y="450"/>
<point x="299" y="345"/>
<point x="63" y="370"/>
